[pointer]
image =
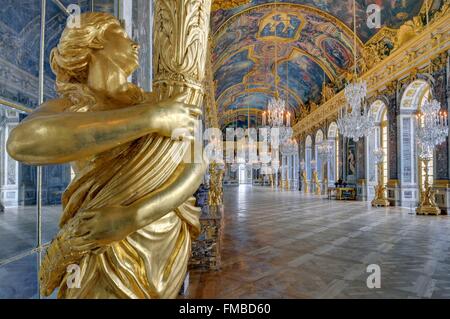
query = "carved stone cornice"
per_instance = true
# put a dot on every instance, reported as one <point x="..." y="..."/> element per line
<point x="415" y="54"/>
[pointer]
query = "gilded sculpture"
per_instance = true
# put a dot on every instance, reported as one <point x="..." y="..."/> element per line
<point x="327" y="92"/>
<point x="128" y="215"/>
<point x="215" y="196"/>
<point x="305" y="181"/>
<point x="316" y="182"/>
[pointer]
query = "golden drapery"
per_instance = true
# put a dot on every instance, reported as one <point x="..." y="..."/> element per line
<point x="151" y="262"/>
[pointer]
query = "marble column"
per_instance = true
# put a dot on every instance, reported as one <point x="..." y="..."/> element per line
<point x="361" y="169"/>
<point x="393" y="191"/>
<point x="441" y="93"/>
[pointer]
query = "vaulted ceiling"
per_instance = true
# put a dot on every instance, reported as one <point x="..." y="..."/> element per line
<point x="310" y="42"/>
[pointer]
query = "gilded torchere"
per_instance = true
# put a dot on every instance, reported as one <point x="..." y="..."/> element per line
<point x="305" y="182"/>
<point x="380" y="199"/>
<point x="315" y="178"/>
<point x="128" y="216"/>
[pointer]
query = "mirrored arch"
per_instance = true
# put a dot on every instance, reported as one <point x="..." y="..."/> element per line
<point x="378" y="138"/>
<point x="411" y="170"/>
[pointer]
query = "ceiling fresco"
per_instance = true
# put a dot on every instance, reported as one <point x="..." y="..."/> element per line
<point x="306" y="46"/>
<point x="306" y="43"/>
<point x="394" y="12"/>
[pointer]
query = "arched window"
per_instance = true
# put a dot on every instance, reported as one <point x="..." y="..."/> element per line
<point x="319" y="168"/>
<point x="378" y="138"/>
<point x="308" y="157"/>
<point x="333" y="161"/>
<point x="411" y="172"/>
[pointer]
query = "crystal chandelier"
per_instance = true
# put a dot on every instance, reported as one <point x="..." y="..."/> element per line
<point x="354" y="119"/>
<point x="277" y="118"/>
<point x="276" y="111"/>
<point x="432" y="128"/>
<point x="325" y="150"/>
<point x="290" y="147"/>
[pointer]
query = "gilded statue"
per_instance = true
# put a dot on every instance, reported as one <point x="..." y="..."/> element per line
<point x="327" y="92"/>
<point x="128" y="215"/>
<point x="409" y="30"/>
<point x="313" y="106"/>
<point x="315" y="178"/>
<point x="305" y="181"/>
<point x="215" y="197"/>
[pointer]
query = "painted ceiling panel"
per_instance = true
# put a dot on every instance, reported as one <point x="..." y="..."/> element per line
<point x="233" y="71"/>
<point x="303" y="76"/>
<point x="296" y="27"/>
<point x="256" y="99"/>
<point x="242" y="121"/>
<point x="394" y="12"/>
<point x="308" y="47"/>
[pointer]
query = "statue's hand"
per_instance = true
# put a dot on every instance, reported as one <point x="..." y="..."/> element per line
<point x="172" y="114"/>
<point x="94" y="229"/>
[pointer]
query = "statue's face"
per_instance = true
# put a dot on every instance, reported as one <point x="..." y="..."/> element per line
<point x="121" y="49"/>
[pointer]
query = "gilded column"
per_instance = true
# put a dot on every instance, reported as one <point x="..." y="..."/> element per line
<point x="181" y="29"/>
<point x="392" y="115"/>
<point x="180" y="44"/>
<point x="361" y="169"/>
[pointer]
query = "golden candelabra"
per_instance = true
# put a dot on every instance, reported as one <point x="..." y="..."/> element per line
<point x="427" y="204"/>
<point x="215" y="197"/>
<point x="380" y="199"/>
<point x="318" y="190"/>
<point x="286" y="184"/>
<point x="325" y="175"/>
<point x="305" y="182"/>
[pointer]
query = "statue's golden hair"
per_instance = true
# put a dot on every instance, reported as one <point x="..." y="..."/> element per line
<point x="70" y="60"/>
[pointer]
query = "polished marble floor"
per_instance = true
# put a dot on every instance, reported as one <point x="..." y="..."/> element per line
<point x="288" y="245"/>
<point x="284" y="245"/>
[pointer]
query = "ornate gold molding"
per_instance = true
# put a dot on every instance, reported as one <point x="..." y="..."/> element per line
<point x="441" y="183"/>
<point x="415" y="54"/>
<point x="180" y="50"/>
<point x="228" y="4"/>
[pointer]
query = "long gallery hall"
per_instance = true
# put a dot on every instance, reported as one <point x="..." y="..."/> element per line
<point x="215" y="149"/>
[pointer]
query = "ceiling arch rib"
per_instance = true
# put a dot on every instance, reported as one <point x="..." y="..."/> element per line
<point x="256" y="98"/>
<point x="228" y="97"/>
